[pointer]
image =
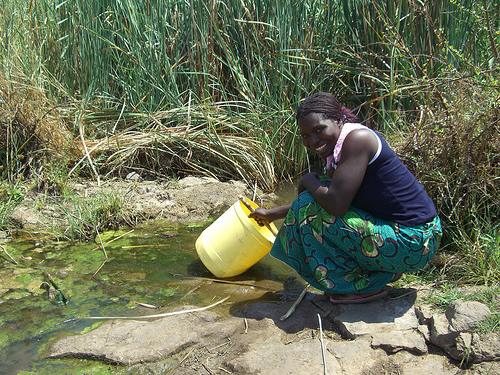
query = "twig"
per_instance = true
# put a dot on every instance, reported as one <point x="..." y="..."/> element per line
<point x="87" y="154"/>
<point x="223" y="281"/>
<point x="114" y="239"/>
<point x="105" y="255"/>
<point x="295" y="304"/>
<point x="5" y="251"/>
<point x="247" y="205"/>
<point x="180" y="363"/>
<point x="406" y="294"/>
<point x="150" y="245"/>
<point x="156" y="315"/>
<point x="51" y="279"/>
<point x="218" y="346"/>
<point x="208" y="369"/>
<point x="322" y="345"/>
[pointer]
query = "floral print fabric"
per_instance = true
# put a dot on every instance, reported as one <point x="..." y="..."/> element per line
<point x="354" y="253"/>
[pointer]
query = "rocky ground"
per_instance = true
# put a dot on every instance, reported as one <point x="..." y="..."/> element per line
<point x="400" y="334"/>
<point x="190" y="199"/>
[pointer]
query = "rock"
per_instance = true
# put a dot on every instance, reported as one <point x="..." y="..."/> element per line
<point x="267" y="354"/>
<point x="440" y="332"/>
<point x="424" y="314"/>
<point x="462" y="348"/>
<point x="485" y="348"/>
<point x="392" y="342"/>
<point x="409" y="364"/>
<point x="392" y="325"/>
<point x="132" y="341"/>
<point x="424" y="331"/>
<point x="349" y="353"/>
<point x="26" y="218"/>
<point x="466" y="315"/>
<point x="382" y="316"/>
<point x="453" y="333"/>
<point x="194" y="181"/>
<point x="475" y="348"/>
<point x="134" y="176"/>
<point x="253" y="340"/>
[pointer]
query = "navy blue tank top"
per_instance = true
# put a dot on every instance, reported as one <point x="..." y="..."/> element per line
<point x="391" y="192"/>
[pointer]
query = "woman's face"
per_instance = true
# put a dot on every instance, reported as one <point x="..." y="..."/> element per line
<point x="319" y="133"/>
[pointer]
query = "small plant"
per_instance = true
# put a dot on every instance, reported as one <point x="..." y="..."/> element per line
<point x="89" y="216"/>
<point x="441" y="298"/>
<point x="10" y="197"/>
<point x="491" y="324"/>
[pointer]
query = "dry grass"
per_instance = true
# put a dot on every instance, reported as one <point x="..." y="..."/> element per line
<point x="28" y="123"/>
<point x="205" y="141"/>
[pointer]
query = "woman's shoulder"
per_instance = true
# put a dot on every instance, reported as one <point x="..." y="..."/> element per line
<point x="358" y="135"/>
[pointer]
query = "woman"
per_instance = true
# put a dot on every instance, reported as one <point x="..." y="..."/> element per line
<point x="368" y="221"/>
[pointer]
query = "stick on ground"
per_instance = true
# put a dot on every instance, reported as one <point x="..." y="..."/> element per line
<point x="6" y="253"/>
<point x="156" y="315"/>
<point x="322" y="345"/>
<point x="295" y="304"/>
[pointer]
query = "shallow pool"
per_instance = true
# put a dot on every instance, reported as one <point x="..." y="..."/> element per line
<point x="148" y="266"/>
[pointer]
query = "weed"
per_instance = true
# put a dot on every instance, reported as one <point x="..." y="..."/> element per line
<point x="442" y="298"/>
<point x="88" y="216"/>
<point x="10" y="197"/>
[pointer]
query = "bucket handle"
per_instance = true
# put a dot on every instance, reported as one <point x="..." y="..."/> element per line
<point x="247" y="205"/>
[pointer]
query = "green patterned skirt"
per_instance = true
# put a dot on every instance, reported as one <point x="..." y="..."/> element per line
<point x="354" y="253"/>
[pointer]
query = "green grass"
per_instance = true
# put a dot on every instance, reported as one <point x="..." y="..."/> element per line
<point x="445" y="294"/>
<point x="10" y="197"/>
<point x="89" y="216"/>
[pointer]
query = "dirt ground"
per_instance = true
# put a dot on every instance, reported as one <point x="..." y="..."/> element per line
<point x="191" y="199"/>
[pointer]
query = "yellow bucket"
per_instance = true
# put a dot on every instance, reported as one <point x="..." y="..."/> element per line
<point x="234" y="242"/>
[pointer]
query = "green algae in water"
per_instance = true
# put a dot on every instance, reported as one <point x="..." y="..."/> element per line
<point x="69" y="367"/>
<point x="139" y="268"/>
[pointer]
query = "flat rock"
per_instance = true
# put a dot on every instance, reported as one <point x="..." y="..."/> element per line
<point x="270" y="356"/>
<point x="485" y="348"/>
<point x="253" y="339"/>
<point x="383" y="316"/>
<point x="130" y="341"/>
<point x="392" y="342"/>
<point x="356" y="357"/>
<point x="408" y="364"/>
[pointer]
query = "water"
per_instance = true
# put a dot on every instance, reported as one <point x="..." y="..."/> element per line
<point x="142" y="267"/>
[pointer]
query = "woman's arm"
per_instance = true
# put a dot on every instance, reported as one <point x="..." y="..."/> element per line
<point x="265" y="216"/>
<point x="358" y="149"/>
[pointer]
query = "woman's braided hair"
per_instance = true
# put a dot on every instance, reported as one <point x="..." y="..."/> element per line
<point x="328" y="105"/>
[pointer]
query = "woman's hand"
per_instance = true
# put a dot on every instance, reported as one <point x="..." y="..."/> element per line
<point x="265" y="216"/>
<point x="261" y="216"/>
